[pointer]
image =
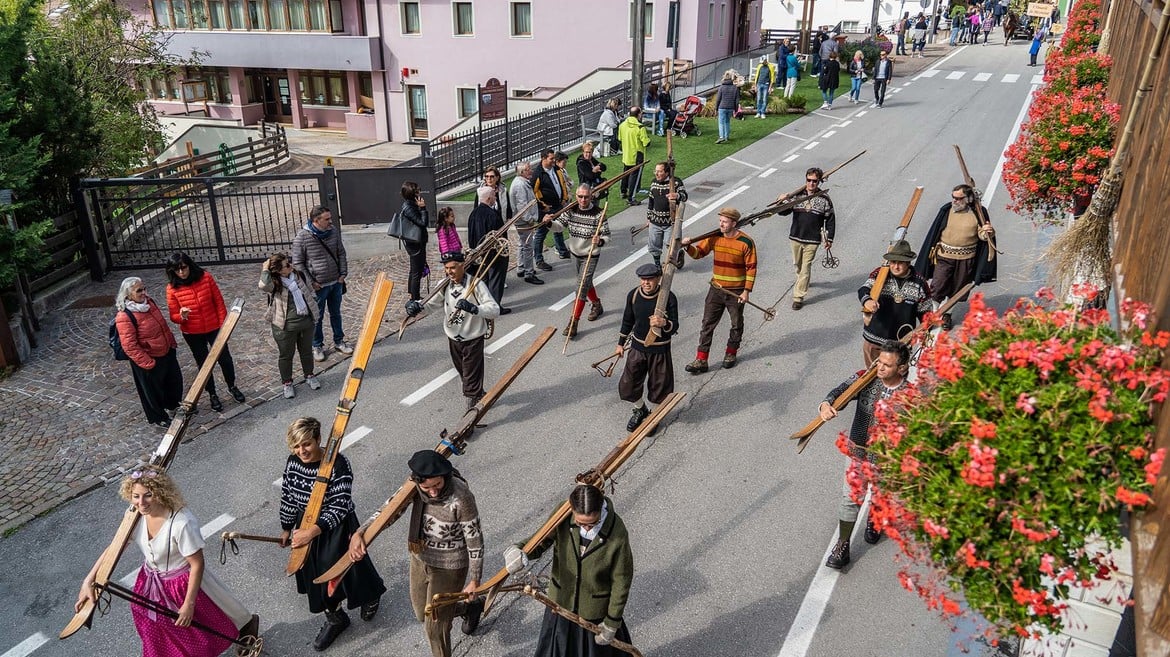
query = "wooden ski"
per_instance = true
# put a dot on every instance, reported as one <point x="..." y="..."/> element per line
<point x="672" y="247"/>
<point x="375" y="309"/>
<point x="162" y="456"/>
<point x="596" y="191"/>
<point x="543" y="599"/>
<point x="581" y="284"/>
<point x="899" y="234"/>
<point x="596" y="476"/>
<point x="806" y="433"/>
<point x="449" y="444"/>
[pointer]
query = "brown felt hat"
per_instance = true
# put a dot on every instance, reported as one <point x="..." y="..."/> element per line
<point x="730" y="213"/>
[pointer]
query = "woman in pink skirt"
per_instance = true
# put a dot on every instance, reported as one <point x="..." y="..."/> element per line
<point x="173" y="576"/>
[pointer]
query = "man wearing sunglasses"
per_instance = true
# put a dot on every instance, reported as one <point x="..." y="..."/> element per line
<point x="811" y="219"/>
<point x="955" y="251"/>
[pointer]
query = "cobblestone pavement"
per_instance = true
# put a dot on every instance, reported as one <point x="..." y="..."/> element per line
<point x="70" y="419"/>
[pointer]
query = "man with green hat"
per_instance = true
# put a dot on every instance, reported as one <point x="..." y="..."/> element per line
<point x="900" y="305"/>
<point x="649" y="368"/>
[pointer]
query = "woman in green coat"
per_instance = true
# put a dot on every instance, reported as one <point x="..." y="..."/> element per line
<point x="592" y="568"/>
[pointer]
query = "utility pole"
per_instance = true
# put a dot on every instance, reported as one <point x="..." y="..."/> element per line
<point x="637" y="61"/>
<point x="873" y="19"/>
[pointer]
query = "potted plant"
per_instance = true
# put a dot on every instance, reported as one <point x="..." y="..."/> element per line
<point x="1016" y="450"/>
<point x="796" y="103"/>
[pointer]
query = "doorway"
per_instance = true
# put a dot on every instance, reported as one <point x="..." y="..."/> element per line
<point x="277" y="98"/>
<point x="416" y="111"/>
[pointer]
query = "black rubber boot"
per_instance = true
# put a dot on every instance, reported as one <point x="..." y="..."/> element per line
<point x="335" y="624"/>
<point x="472" y="615"/>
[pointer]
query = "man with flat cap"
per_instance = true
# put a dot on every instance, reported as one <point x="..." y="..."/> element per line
<point x="468" y="313"/>
<point x="902" y="301"/>
<point x="735" y="271"/>
<point x="649" y="368"/>
<point x="446" y="547"/>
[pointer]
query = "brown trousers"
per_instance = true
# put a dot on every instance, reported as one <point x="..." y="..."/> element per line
<point x="425" y="582"/>
<point x="950" y="276"/>
<point x="467" y="356"/>
<point x="713" y="309"/>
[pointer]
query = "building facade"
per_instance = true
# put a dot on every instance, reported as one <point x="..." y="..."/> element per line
<point x="852" y="15"/>
<point x="407" y="70"/>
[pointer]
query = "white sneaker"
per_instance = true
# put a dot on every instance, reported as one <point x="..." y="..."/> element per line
<point x="824" y="106"/>
<point x="289" y="391"/>
<point x="318" y="354"/>
<point x="313" y="382"/>
<point x="343" y="347"/>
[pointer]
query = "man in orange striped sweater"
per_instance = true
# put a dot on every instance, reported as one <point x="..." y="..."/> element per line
<point x="734" y="271"/>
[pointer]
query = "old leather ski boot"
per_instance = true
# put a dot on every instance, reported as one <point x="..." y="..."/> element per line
<point x="839" y="557"/>
<point x="335" y="624"/>
<point x="595" y="311"/>
<point x="571" y="329"/>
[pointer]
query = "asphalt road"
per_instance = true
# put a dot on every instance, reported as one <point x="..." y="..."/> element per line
<point x="729" y="525"/>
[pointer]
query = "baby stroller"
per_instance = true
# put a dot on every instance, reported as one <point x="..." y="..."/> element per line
<point x="684" y="120"/>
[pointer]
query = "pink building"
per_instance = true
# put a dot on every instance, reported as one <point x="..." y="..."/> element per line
<point x="404" y="71"/>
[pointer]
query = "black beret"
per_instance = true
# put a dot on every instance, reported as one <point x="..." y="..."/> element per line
<point x="649" y="270"/>
<point x="428" y="463"/>
<point x="451" y="256"/>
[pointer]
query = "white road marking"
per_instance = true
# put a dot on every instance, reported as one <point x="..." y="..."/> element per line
<point x="812" y="607"/>
<point x="862" y="113"/>
<point x="956" y="75"/>
<point x="827" y="116"/>
<point x="982" y="77"/>
<point x="782" y="134"/>
<point x="1010" y="77"/>
<point x="828" y="134"/>
<point x="894" y="91"/>
<point x="27" y="646"/>
<point x="811" y="145"/>
<point x="790" y="158"/>
<point x="933" y="70"/>
<point x="439" y="381"/>
<point x="346" y="442"/>
<point x="768" y="172"/>
<point x="930" y="73"/>
<point x="757" y="168"/>
<point x="997" y="174"/>
<point x="907" y="83"/>
<point x="636" y="255"/>
<point x="207" y="530"/>
<point x="844" y="123"/>
<point x="1038" y="78"/>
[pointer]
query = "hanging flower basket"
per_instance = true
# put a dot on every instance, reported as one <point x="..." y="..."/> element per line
<point x="1021" y="442"/>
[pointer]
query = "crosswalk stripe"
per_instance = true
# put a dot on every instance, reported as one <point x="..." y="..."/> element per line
<point x="1010" y="77"/>
<point x="929" y="74"/>
<point x="982" y="77"/>
<point x="956" y="75"/>
<point x="1038" y="78"/>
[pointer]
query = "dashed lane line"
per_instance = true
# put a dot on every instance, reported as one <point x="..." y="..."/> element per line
<point x="828" y="134"/>
<point x="438" y="382"/>
<point x="27" y="646"/>
<point x="811" y="145"/>
<point x="768" y="172"/>
<point x="929" y="73"/>
<point x="790" y="158"/>
<point x="956" y="75"/>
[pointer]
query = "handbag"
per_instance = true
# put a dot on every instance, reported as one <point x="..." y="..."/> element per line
<point x="403" y="228"/>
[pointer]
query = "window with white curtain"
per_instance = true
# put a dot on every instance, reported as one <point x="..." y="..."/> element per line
<point x="464" y="18"/>
<point x="522" y="19"/>
<point x="411" y="23"/>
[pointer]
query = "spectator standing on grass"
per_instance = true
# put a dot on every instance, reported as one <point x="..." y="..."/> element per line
<point x="667" y="104"/>
<point x="817" y="41"/>
<point x="726" y="102"/>
<point x="317" y="252"/>
<point x="782" y="52"/>
<point x="607" y="127"/>
<point x="792" y="68"/>
<point x="830" y="77"/>
<point x="589" y="168"/>
<point x="551" y="188"/>
<point x="764" y="79"/>
<point x="653" y="108"/>
<point x="829" y="46"/>
<point x="635" y="138"/>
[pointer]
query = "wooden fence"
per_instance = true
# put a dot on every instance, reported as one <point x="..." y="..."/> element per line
<point x="1142" y="240"/>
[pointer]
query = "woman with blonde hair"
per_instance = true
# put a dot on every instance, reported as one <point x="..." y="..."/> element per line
<point x="328" y="538"/>
<point x="173" y="576"/>
<point x="150" y="346"/>
<point x="293" y="316"/>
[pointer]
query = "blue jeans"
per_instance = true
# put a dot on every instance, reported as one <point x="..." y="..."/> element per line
<point x="538" y="243"/>
<point x="828" y="94"/>
<point x="328" y="295"/>
<point x="954" y="35"/>
<point x="725" y="123"/>
<point x="855" y="89"/>
<point x="659" y="122"/>
<point x="761" y="99"/>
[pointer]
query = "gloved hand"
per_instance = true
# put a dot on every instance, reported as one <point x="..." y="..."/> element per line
<point x="413" y="307"/>
<point x="515" y="560"/>
<point x="467" y="306"/>
<point x="605" y="636"/>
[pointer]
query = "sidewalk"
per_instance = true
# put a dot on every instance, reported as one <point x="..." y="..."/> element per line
<point x="70" y="419"/>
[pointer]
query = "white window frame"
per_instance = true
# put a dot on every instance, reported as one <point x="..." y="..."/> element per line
<point x="402" y="19"/>
<point x="512" y="23"/>
<point x="649" y="21"/>
<point x="459" y="102"/>
<point x="710" y="20"/>
<point x="455" y="19"/>
<point x="722" y="16"/>
<point x="521" y="93"/>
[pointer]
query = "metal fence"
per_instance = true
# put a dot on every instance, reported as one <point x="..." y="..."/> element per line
<point x="460" y="158"/>
<point x="215" y="220"/>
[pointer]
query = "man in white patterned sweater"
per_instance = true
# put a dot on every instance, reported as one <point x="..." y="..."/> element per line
<point x="446" y="547"/>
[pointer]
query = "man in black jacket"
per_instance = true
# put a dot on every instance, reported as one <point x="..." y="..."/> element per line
<point x="648" y="367"/>
<point x="809" y="219"/>
<point x="901" y="303"/>
<point x="553" y="191"/>
<point x="484" y="219"/>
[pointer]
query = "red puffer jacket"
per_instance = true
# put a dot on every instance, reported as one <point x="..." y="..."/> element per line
<point x="153" y="338"/>
<point x="205" y="301"/>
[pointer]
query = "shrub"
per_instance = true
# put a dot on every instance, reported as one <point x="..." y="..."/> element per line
<point x="1023" y="439"/>
<point x="797" y="101"/>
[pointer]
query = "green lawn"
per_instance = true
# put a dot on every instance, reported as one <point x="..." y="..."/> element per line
<point x="694" y="154"/>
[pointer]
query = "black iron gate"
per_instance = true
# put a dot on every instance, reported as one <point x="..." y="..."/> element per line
<point x="372" y="196"/>
<point x="139" y="222"/>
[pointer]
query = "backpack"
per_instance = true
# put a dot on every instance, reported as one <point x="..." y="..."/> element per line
<point x="115" y="340"/>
